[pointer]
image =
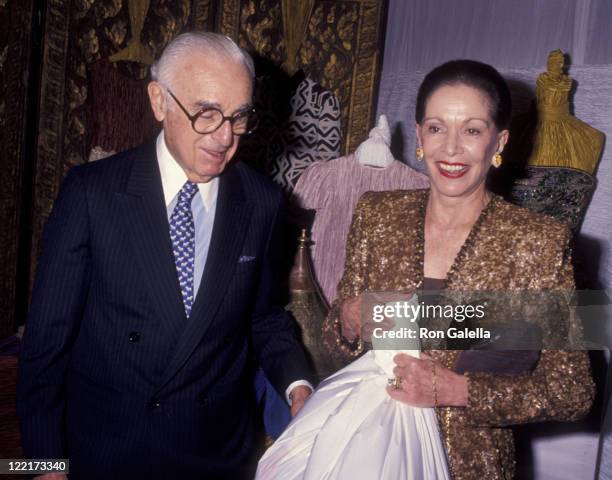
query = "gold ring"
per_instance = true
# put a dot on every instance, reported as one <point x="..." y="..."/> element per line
<point x="396" y="383"/>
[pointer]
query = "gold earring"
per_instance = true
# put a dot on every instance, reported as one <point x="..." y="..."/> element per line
<point x="497" y="160"/>
<point x="419" y="154"/>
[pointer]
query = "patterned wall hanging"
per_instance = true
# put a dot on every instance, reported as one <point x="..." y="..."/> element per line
<point x="16" y="17"/>
<point x="94" y="70"/>
<point x="340" y="49"/>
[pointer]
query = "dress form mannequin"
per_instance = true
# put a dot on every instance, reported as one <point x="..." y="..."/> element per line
<point x="333" y="188"/>
<point x="374" y="152"/>
<point x="559" y="178"/>
<point x="561" y="139"/>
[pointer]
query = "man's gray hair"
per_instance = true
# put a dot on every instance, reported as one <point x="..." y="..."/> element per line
<point x="198" y="43"/>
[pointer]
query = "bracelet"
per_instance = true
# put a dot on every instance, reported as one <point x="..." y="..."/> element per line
<point x="354" y="348"/>
<point x="434" y="382"/>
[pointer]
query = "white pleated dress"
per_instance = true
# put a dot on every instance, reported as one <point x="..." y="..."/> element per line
<point x="351" y="429"/>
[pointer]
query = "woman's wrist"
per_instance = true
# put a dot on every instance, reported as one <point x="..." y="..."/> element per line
<point x="460" y="391"/>
<point x="352" y="347"/>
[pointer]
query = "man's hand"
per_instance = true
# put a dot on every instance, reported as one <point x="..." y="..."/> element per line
<point x="51" y="476"/>
<point x="298" y="397"/>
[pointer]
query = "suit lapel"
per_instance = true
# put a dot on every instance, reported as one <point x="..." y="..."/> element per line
<point x="229" y="230"/>
<point x="146" y="221"/>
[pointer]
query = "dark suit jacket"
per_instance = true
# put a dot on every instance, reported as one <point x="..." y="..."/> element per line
<point x="112" y="374"/>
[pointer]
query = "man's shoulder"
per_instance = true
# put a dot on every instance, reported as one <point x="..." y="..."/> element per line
<point x="114" y="168"/>
<point x="257" y="187"/>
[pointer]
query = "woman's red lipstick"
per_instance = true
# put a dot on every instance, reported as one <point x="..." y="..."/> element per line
<point x="452" y="170"/>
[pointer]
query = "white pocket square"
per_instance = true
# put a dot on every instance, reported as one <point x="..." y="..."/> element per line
<point x="245" y="258"/>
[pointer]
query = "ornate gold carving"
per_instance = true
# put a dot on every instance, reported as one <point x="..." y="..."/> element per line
<point x="365" y="74"/>
<point x="164" y="22"/>
<point x="296" y="17"/>
<point x="116" y="33"/>
<point x="89" y="45"/>
<point x="108" y="9"/>
<point x="49" y="162"/>
<point x="260" y="29"/>
<point x="81" y="7"/>
<point x="331" y="45"/>
<point x="339" y="48"/>
<point x="74" y="39"/>
<point x="230" y="17"/>
<point x="135" y="51"/>
<point x="203" y="15"/>
<point x="15" y="21"/>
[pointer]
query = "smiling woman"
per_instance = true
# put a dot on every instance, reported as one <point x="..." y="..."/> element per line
<point x="462" y="114"/>
<point x="459" y="140"/>
<point x="459" y="237"/>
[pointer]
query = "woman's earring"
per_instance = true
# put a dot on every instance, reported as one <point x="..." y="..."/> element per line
<point x="419" y="154"/>
<point x="497" y="160"/>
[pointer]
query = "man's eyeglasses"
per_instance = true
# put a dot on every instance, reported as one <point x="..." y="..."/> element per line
<point x="210" y="119"/>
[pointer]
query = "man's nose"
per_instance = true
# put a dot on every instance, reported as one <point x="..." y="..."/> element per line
<point x="223" y="135"/>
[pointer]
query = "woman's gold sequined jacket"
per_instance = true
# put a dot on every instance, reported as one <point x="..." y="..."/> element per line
<point x="508" y="249"/>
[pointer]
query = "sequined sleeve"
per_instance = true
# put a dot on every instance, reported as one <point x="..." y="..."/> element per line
<point x="351" y="285"/>
<point x="560" y="387"/>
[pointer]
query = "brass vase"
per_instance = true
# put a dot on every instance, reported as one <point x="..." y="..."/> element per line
<point x="309" y="308"/>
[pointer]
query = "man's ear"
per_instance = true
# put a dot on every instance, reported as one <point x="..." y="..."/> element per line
<point x="157" y="98"/>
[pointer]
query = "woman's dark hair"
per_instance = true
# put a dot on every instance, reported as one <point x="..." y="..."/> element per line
<point x="474" y="74"/>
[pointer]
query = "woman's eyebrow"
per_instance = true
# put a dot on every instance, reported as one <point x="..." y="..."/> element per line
<point x="484" y="120"/>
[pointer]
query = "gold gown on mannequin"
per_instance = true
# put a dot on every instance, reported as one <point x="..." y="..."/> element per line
<point x="559" y="178"/>
<point x="561" y="139"/>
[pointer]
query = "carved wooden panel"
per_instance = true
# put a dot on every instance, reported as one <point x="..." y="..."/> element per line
<point x="15" y="27"/>
<point x="341" y="49"/>
<point x="78" y="35"/>
<point x="204" y="14"/>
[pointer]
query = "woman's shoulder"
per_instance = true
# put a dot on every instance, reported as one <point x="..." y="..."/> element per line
<point x="520" y="222"/>
<point x="392" y="200"/>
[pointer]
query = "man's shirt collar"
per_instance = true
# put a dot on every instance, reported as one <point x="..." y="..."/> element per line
<point x="173" y="176"/>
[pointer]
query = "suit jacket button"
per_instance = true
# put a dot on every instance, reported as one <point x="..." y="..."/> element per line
<point x="155" y="403"/>
<point x="134" y="336"/>
<point x="203" y="400"/>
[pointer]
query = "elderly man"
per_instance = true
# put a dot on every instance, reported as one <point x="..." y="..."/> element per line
<point x="156" y="287"/>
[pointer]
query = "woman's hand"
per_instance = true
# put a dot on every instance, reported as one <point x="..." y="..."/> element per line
<point x="425" y="382"/>
<point x="355" y="323"/>
<point x="350" y="318"/>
